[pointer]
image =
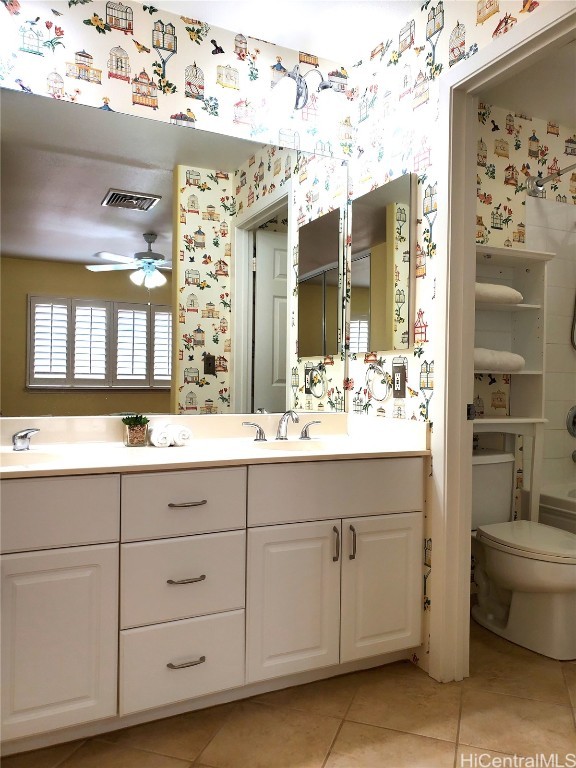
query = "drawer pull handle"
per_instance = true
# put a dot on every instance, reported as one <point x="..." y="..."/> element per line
<point x="187" y="581"/>
<point x="194" y="663"/>
<point x="172" y="505"/>
<point x="337" y="554"/>
<point x="353" y="555"/>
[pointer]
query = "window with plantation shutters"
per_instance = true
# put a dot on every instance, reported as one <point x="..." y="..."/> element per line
<point x="85" y="343"/>
<point x="359" y="336"/>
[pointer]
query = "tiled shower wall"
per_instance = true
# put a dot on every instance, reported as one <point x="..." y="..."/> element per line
<point x="552" y="227"/>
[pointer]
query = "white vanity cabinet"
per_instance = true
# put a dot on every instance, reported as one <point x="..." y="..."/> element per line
<point x="338" y="589"/>
<point x="59" y="602"/>
<point x="182" y="596"/>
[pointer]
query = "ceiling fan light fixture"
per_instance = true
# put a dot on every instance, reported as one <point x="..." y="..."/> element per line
<point x="138" y="276"/>
<point x="154" y="279"/>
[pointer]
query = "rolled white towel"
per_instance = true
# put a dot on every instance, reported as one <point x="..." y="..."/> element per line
<point x="497" y="294"/>
<point x="497" y="362"/>
<point x="161" y="436"/>
<point x="180" y="435"/>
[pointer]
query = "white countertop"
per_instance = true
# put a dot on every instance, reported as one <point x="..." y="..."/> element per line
<point x="94" y="445"/>
<point x="98" y="458"/>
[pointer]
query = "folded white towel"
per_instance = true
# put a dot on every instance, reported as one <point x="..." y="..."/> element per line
<point x="161" y="436"/>
<point x="497" y="362"/>
<point x="497" y="294"/>
<point x="180" y="435"/>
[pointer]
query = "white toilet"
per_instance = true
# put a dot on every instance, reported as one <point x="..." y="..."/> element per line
<point x="525" y="572"/>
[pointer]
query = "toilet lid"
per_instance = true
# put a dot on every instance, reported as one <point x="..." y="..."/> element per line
<point x="534" y="539"/>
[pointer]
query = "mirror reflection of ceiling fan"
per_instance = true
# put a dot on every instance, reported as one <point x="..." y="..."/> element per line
<point x="146" y="264"/>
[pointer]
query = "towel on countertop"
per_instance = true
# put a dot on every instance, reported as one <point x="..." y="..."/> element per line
<point x="497" y="362"/>
<point x="161" y="436"/>
<point x="497" y="294"/>
<point x="180" y="435"/>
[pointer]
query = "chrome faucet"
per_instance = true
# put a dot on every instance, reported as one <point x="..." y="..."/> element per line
<point x="21" y="439"/>
<point x="283" y="424"/>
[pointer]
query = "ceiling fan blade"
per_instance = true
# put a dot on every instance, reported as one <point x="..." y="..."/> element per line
<point x="110" y="267"/>
<point x="164" y="265"/>
<point x="114" y="257"/>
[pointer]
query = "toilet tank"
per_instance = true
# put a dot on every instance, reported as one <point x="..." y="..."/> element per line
<point x="492" y="487"/>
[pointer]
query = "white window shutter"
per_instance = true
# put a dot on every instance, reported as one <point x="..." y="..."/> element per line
<point x="90" y="342"/>
<point x="48" y="347"/>
<point x="132" y="344"/>
<point x="161" y="345"/>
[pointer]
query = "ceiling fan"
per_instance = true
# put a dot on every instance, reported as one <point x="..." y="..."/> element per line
<point x="146" y="264"/>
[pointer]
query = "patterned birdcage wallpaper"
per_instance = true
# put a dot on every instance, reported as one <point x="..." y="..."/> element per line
<point x="55" y="85"/>
<point x="194" y="82"/>
<point x="119" y="16"/>
<point x="119" y="64"/>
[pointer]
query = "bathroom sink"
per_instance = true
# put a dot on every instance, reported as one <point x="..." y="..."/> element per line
<point x="295" y="445"/>
<point x="25" y="458"/>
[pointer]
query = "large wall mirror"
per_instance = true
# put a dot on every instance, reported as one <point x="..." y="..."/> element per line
<point x="58" y="161"/>
<point x="319" y="261"/>
<point x="382" y="243"/>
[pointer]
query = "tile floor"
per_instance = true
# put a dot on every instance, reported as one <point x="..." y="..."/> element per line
<point x="514" y="703"/>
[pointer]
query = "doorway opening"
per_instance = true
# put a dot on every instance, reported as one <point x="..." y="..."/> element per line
<point x="452" y="438"/>
<point x="261" y="321"/>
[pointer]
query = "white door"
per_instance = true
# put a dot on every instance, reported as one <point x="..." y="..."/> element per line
<point x="270" y="322"/>
<point x="293" y="598"/>
<point x="381" y="584"/>
<point x="59" y="638"/>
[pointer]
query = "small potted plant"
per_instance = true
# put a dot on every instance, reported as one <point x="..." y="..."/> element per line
<point x="135" y="429"/>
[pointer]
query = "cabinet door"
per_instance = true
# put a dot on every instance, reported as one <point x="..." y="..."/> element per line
<point x="381" y="584"/>
<point x="59" y="638"/>
<point x="293" y="598"/>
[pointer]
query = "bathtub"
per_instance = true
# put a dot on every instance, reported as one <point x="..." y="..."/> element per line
<point x="558" y="506"/>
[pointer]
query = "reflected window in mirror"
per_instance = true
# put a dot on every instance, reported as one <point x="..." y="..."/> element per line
<point x="360" y="304"/>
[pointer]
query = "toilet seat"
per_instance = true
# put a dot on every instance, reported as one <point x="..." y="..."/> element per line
<point x="535" y="541"/>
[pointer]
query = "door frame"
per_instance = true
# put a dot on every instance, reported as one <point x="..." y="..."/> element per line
<point x="243" y="293"/>
<point x="450" y="500"/>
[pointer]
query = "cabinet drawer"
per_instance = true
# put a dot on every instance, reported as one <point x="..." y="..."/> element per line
<point x="145" y="679"/>
<point x="212" y="567"/>
<point x="165" y="504"/>
<point x="42" y="513"/>
<point x="289" y="493"/>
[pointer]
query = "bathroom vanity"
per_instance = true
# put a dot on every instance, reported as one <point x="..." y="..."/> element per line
<point x="141" y="583"/>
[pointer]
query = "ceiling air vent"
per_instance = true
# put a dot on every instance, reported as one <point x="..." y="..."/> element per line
<point x="134" y="201"/>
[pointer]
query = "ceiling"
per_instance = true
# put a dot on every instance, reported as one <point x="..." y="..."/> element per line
<point x="313" y="26"/>
<point x="542" y="90"/>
